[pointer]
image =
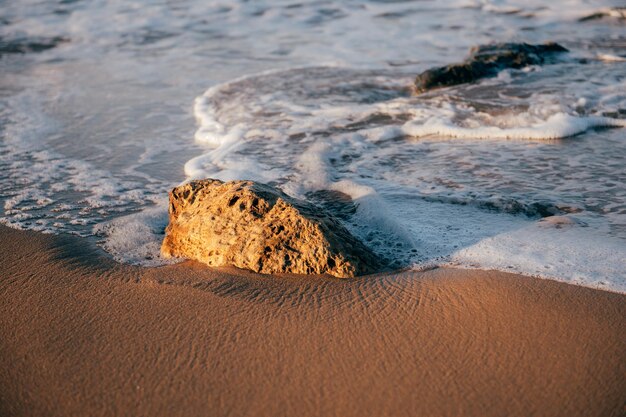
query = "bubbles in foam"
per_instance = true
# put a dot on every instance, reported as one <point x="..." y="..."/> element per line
<point x="559" y="125"/>
<point x="136" y="238"/>
<point x="555" y="254"/>
<point x="48" y="192"/>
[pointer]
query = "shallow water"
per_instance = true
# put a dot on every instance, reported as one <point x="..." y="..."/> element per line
<point x="523" y="172"/>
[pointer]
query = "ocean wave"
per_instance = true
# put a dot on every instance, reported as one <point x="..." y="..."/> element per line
<point x="386" y="166"/>
<point x="557" y="126"/>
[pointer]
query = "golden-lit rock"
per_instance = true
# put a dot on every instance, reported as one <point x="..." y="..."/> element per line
<point x="254" y="226"/>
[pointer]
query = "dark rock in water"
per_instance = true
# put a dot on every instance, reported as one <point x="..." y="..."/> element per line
<point x="486" y="61"/>
<point x="616" y="12"/>
<point x="26" y="45"/>
<point x="255" y="226"/>
<point x="337" y="203"/>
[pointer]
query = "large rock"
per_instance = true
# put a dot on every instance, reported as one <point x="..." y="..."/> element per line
<point x="486" y="61"/>
<point x="254" y="226"/>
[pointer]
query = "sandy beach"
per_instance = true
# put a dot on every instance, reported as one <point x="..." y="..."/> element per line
<point x="83" y="335"/>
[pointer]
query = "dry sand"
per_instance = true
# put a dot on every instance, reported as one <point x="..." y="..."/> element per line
<point x="83" y="336"/>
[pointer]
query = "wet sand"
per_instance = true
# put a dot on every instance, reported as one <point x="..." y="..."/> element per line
<point x="81" y="335"/>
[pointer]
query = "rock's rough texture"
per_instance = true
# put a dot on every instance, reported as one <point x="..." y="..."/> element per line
<point x="254" y="226"/>
<point x="487" y="61"/>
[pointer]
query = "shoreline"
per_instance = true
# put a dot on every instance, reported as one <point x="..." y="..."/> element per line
<point x="81" y="334"/>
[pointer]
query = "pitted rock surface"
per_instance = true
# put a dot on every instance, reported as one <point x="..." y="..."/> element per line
<point x="255" y="226"/>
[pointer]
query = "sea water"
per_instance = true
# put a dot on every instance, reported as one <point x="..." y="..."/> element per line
<point x="524" y="172"/>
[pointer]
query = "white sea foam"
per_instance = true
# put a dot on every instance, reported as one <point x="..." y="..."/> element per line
<point x="411" y="206"/>
<point x="611" y="58"/>
<point x="570" y="254"/>
<point x="38" y="182"/>
<point x="136" y="238"/>
<point x="559" y="125"/>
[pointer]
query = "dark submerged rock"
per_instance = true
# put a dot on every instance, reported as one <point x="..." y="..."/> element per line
<point x="24" y="45"/>
<point x="618" y="13"/>
<point x="486" y="61"/>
